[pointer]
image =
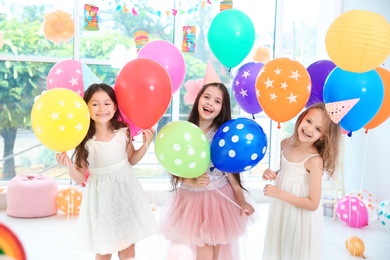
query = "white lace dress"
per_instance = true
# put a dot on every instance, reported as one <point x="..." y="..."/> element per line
<point x="115" y="211"/>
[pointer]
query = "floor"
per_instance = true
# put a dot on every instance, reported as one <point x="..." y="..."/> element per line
<point x="53" y="238"/>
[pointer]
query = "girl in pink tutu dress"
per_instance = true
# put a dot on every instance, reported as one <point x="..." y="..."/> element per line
<point x="197" y="214"/>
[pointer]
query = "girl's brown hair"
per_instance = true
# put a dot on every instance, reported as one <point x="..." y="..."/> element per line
<point x="328" y="144"/>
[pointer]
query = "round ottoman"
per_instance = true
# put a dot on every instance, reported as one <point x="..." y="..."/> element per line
<point x="32" y="196"/>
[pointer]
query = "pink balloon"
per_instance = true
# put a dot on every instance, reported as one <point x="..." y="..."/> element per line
<point x="168" y="56"/>
<point x="134" y="130"/>
<point x="71" y="74"/>
<point x="352" y="211"/>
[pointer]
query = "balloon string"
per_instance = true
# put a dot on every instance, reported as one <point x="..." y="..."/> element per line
<point x="70" y="202"/>
<point x="220" y="192"/>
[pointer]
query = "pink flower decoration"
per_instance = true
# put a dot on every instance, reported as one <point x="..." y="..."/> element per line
<point x="193" y="87"/>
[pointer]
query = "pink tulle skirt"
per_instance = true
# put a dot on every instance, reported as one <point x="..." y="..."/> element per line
<point x="199" y="218"/>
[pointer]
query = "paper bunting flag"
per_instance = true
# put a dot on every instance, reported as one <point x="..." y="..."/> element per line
<point x="141" y="37"/>
<point x="337" y="110"/>
<point x="91" y="17"/>
<point x="211" y="76"/>
<point x="225" y="5"/>
<point x="188" y="44"/>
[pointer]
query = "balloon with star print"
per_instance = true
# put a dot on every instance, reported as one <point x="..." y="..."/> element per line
<point x="244" y="89"/>
<point x="71" y="74"/>
<point x="60" y="119"/>
<point x="283" y="88"/>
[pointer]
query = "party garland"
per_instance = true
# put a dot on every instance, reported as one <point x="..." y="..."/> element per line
<point x="134" y="10"/>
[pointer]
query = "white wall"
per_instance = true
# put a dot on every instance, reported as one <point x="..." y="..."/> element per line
<point x="367" y="157"/>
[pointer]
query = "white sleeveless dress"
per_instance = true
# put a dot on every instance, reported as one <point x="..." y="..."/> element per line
<point x="115" y="211"/>
<point x="293" y="233"/>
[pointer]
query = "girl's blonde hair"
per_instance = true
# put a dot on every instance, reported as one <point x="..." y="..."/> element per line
<point x="328" y="144"/>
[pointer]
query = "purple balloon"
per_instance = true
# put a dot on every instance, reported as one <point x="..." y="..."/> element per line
<point x="318" y="72"/>
<point x="244" y="87"/>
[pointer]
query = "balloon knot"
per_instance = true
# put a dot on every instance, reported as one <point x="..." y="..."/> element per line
<point x="253" y="117"/>
<point x="278" y="125"/>
<point x="366" y="132"/>
<point x="350" y="134"/>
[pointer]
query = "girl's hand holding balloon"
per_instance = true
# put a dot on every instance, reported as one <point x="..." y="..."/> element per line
<point x="63" y="159"/>
<point x="148" y="135"/>
<point x="198" y="182"/>
<point x="202" y="180"/>
<point x="246" y="209"/>
<point x="269" y="175"/>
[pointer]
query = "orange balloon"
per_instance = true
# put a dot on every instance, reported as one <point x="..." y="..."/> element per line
<point x="384" y="111"/>
<point x="69" y="200"/>
<point x="283" y="88"/>
<point x="355" y="246"/>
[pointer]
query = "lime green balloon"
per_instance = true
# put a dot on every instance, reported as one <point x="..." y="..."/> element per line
<point x="182" y="149"/>
<point x="231" y="37"/>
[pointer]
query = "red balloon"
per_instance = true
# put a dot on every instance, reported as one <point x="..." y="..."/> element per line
<point x="143" y="89"/>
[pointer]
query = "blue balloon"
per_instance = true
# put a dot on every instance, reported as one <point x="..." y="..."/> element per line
<point x="238" y="145"/>
<point x="344" y="85"/>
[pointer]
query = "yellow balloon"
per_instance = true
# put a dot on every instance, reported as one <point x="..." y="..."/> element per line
<point x="355" y="246"/>
<point x="358" y="41"/>
<point x="60" y="119"/>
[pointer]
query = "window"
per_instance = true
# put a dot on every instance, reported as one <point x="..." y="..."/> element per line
<point x="27" y="57"/>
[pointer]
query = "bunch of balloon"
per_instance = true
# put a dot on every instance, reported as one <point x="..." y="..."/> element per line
<point x="318" y="72"/>
<point x="231" y="37"/>
<point x="358" y="42"/>
<point x="168" y="56"/>
<point x="244" y="88"/>
<point x="284" y="87"/>
<point x="60" y="119"/>
<point x="182" y="149"/>
<point x="143" y="89"/>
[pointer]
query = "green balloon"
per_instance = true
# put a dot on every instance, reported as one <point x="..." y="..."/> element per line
<point x="231" y="37"/>
<point x="182" y="149"/>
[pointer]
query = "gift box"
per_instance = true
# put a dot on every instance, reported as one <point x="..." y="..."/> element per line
<point x="328" y="207"/>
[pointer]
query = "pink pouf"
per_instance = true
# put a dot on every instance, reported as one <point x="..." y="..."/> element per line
<point x="32" y="196"/>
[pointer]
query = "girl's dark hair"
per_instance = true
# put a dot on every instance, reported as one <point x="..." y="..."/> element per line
<point x="116" y="122"/>
<point x="224" y="116"/>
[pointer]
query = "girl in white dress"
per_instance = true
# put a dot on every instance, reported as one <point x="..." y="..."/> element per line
<point x="294" y="229"/>
<point x="115" y="212"/>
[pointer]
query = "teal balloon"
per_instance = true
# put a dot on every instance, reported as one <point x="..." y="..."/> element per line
<point x="182" y="149"/>
<point x="231" y="37"/>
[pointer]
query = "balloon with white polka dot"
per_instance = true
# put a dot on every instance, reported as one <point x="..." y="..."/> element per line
<point x="182" y="149"/>
<point x="238" y="145"/>
<point x="352" y="211"/>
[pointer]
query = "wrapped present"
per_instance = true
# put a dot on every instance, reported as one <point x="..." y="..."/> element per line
<point x="328" y="208"/>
